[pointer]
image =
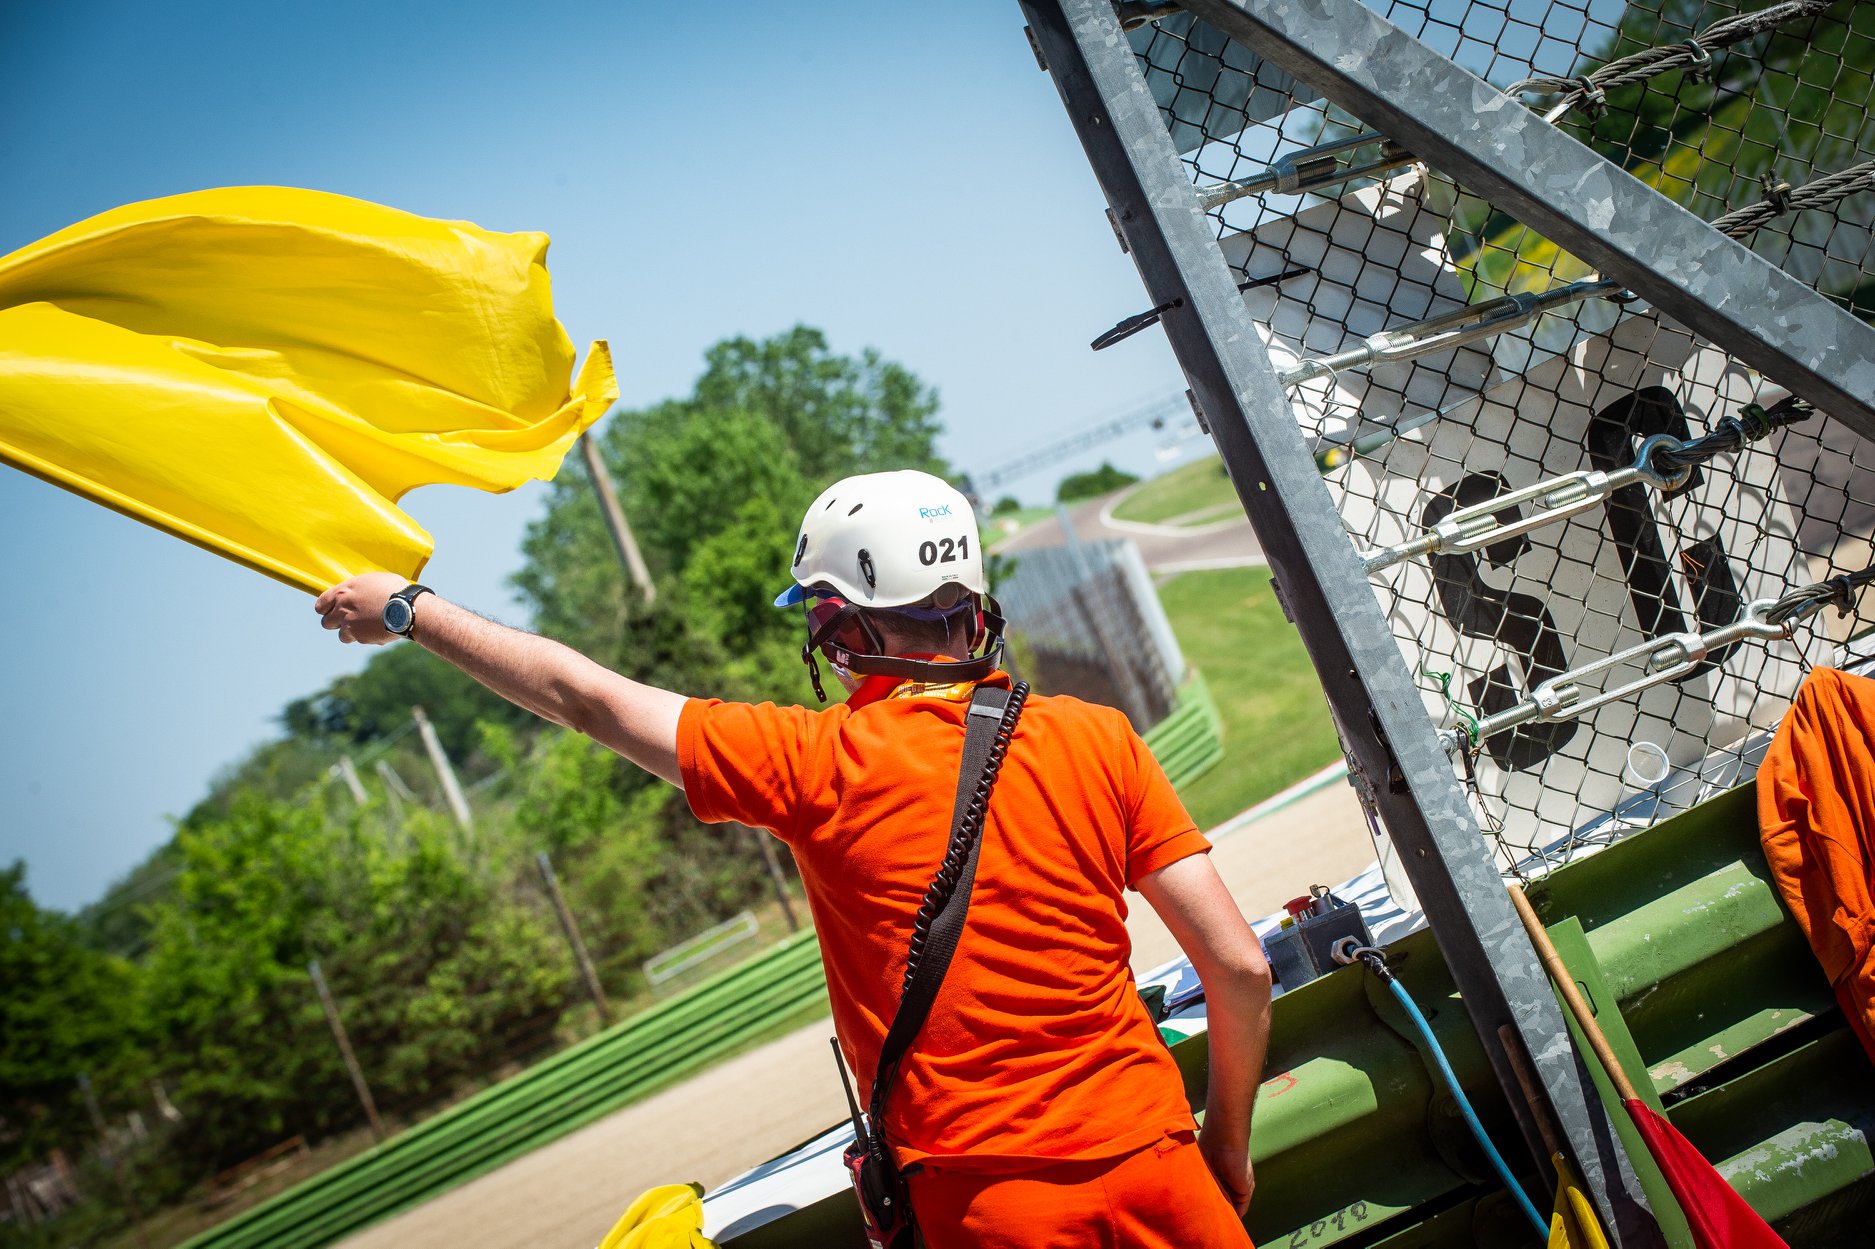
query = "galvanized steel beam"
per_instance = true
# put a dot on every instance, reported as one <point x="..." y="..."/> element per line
<point x="1497" y="148"/>
<point x="1394" y="753"/>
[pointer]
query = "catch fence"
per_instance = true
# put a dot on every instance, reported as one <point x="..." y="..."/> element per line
<point x="1575" y="511"/>
<point x="1087" y="621"/>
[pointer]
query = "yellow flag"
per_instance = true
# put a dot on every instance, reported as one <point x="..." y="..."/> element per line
<point x="1573" y="1223"/>
<point x="669" y="1216"/>
<point x="265" y="371"/>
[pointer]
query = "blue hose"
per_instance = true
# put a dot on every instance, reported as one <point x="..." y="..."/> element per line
<point x="1464" y="1104"/>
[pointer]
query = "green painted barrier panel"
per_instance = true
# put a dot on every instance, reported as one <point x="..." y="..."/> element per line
<point x="544" y="1103"/>
<point x="1189" y="741"/>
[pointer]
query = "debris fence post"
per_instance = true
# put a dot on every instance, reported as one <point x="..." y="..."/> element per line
<point x="345" y="1050"/>
<point x="628" y="553"/>
<point x="111" y="1159"/>
<point x="348" y="772"/>
<point x="395" y="790"/>
<point x="573" y="940"/>
<point x="776" y="877"/>
<point x="445" y="774"/>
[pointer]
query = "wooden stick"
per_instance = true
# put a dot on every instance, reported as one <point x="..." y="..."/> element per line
<point x="1533" y="1095"/>
<point x="1572" y="997"/>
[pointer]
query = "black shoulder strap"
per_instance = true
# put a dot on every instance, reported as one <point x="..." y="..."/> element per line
<point x="940" y="923"/>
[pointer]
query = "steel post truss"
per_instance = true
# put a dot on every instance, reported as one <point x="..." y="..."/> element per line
<point x="1396" y="757"/>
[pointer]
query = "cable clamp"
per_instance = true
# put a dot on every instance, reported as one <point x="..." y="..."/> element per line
<point x="1776" y="193"/>
<point x="1594" y="100"/>
<point x="1841" y="594"/>
<point x="1753" y="422"/>
<point x="1701" y="68"/>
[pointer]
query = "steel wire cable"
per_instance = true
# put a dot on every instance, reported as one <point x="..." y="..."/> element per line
<point x="1781" y="199"/>
<point x="1837" y="591"/>
<point x="1732" y="433"/>
<point x="1693" y="55"/>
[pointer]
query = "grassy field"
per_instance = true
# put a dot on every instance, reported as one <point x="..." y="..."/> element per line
<point x="1276" y="726"/>
<point x="1192" y="494"/>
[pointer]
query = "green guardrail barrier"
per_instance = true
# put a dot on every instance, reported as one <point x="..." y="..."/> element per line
<point x="1190" y="741"/>
<point x="589" y="1080"/>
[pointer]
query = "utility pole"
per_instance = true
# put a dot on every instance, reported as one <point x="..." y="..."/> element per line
<point x="446" y="775"/>
<point x="345" y="1050"/>
<point x="628" y="553"/>
<point x="776" y="876"/>
<point x="571" y="930"/>
<point x="110" y="1159"/>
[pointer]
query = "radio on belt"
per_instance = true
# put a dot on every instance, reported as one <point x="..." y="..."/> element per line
<point x="1303" y="948"/>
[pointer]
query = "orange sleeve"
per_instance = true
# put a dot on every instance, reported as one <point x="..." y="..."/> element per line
<point x="1159" y="830"/>
<point x="746" y="762"/>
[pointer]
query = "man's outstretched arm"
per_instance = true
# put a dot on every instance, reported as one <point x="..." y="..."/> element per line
<point x="1225" y="952"/>
<point x="552" y="681"/>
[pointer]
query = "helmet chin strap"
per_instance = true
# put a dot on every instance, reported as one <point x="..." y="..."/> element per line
<point x="987" y="627"/>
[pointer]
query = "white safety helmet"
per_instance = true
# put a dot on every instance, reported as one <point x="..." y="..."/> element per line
<point x="898" y="541"/>
<point x="886" y="540"/>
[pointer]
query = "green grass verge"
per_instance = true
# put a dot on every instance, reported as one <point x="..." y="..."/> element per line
<point x="1009" y="524"/>
<point x="1276" y="725"/>
<point x="1192" y="494"/>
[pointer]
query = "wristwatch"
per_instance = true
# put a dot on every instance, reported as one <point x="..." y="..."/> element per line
<point x="400" y="610"/>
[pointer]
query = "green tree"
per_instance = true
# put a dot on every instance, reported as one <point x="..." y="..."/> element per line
<point x="1092" y="484"/>
<point x="838" y="414"/>
<point x="66" y="1009"/>
<point x="714" y="485"/>
<point x="438" y="964"/>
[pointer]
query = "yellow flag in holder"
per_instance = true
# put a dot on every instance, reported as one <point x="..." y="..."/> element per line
<point x="266" y="371"/>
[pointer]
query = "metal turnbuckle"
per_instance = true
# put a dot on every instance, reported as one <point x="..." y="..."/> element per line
<point x="1449" y="329"/>
<point x="1473" y="528"/>
<point x="1309" y="169"/>
<point x="1662" y="659"/>
<point x="1663" y="462"/>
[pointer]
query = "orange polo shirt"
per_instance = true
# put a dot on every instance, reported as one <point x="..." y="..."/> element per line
<point x="1038" y="1047"/>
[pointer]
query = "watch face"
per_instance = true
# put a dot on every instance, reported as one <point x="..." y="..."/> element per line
<point x="397" y="615"/>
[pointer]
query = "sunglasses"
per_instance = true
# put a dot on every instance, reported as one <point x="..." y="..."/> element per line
<point x="821" y="613"/>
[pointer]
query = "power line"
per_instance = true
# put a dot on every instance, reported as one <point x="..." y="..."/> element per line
<point x="1155" y="415"/>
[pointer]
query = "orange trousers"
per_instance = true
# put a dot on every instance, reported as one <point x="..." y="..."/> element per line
<point x="1159" y="1197"/>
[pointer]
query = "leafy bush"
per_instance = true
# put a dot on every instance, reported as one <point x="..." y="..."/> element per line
<point x="1091" y="485"/>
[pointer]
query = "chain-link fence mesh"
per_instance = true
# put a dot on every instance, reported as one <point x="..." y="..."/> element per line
<point x="1346" y="249"/>
<point x="1088" y="623"/>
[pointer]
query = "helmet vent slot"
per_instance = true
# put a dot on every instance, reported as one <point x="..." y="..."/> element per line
<point x="856" y="508"/>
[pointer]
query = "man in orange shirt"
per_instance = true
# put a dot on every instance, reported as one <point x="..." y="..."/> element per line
<point x="1037" y="1106"/>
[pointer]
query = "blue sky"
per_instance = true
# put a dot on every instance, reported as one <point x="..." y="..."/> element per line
<point x="900" y="175"/>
